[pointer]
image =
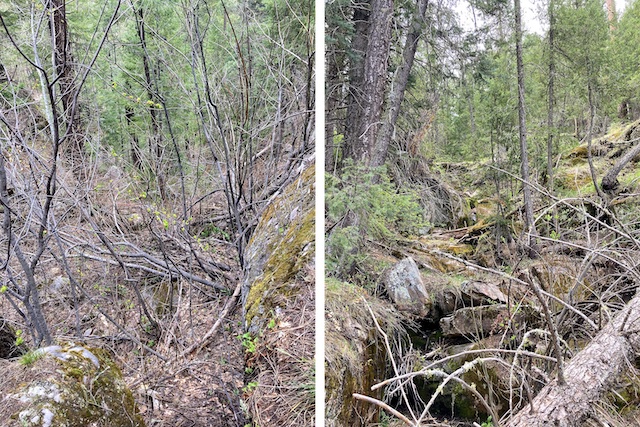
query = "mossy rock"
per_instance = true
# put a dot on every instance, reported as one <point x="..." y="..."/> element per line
<point x="574" y="177"/>
<point x="281" y="246"/>
<point x="278" y="304"/>
<point x="354" y="352"/>
<point x="67" y="386"/>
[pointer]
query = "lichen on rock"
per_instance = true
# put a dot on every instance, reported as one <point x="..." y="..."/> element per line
<point x="406" y="288"/>
<point x="67" y="385"/>
<point x="278" y="303"/>
<point x="281" y="245"/>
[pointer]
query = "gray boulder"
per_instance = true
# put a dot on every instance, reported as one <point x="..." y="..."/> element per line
<point x="406" y="289"/>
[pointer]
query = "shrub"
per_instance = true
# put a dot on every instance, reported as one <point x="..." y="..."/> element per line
<point x="363" y="203"/>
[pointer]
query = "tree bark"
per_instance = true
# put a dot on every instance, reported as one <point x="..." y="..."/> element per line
<point x="400" y="85"/>
<point x="354" y="97"/>
<point x="550" y="110"/>
<point x="524" y="158"/>
<point x="374" y="80"/>
<point x="589" y="375"/>
<point x="552" y="75"/>
<point x="611" y="14"/>
<point x="64" y="75"/>
<point x="331" y="104"/>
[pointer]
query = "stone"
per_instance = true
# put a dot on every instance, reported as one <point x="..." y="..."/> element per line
<point x="406" y="289"/>
<point x="478" y="322"/>
<point x="281" y="247"/>
<point x="66" y="385"/>
<point x="481" y="293"/>
<point x="355" y="353"/>
<point x="278" y="305"/>
<point x="475" y="322"/>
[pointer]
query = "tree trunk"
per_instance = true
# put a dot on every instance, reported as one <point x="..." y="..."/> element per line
<point x="552" y="75"/>
<point x="592" y="116"/>
<point x="155" y="139"/>
<point x="611" y="14"/>
<point x="400" y="85"/>
<point x="589" y="375"/>
<point x="524" y="158"/>
<point x="331" y="104"/>
<point x="550" y="110"/>
<point x="610" y="180"/>
<point x="361" y="24"/>
<point x="63" y="63"/>
<point x="374" y="80"/>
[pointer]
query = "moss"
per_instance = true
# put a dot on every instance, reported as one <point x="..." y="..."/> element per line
<point x="355" y="356"/>
<point x="76" y="386"/>
<point x="285" y="234"/>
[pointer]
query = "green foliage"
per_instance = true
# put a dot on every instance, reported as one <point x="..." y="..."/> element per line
<point x="248" y="342"/>
<point x="31" y="357"/>
<point x="364" y="204"/>
<point x="19" y="338"/>
<point x="624" y="50"/>
<point x="488" y="423"/>
<point x="251" y="386"/>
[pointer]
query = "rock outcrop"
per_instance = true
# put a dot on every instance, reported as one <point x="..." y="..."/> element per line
<point x="66" y="385"/>
<point x="355" y="355"/>
<point x="406" y="289"/>
<point x="279" y="308"/>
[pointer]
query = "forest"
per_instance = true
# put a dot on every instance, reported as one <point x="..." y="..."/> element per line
<point x="482" y="242"/>
<point x="156" y="176"/>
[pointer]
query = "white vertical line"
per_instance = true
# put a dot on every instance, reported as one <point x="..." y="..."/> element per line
<point x="320" y="156"/>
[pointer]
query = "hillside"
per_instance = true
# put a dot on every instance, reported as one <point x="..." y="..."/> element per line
<point x="465" y="309"/>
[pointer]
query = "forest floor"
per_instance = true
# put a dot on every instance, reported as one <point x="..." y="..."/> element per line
<point x="484" y="249"/>
<point x="173" y="387"/>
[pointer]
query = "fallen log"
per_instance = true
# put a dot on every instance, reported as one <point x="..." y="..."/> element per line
<point x="589" y="375"/>
<point x="610" y="180"/>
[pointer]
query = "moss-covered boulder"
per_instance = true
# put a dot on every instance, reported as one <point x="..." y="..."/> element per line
<point x="279" y="308"/>
<point x="355" y="354"/>
<point x="281" y="246"/>
<point x="66" y="386"/>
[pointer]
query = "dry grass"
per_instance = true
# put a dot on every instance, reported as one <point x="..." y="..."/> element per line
<point x="283" y="388"/>
<point x="353" y="350"/>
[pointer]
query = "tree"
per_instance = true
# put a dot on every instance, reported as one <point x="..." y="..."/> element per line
<point x="400" y="81"/>
<point x="551" y="95"/>
<point x="14" y="133"/>
<point x="524" y="159"/>
<point x="589" y="375"/>
<point x="368" y="105"/>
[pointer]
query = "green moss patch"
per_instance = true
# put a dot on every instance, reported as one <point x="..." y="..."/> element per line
<point x="354" y="353"/>
<point x="285" y="241"/>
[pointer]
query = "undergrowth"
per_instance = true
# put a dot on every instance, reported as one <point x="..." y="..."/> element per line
<point x="363" y="204"/>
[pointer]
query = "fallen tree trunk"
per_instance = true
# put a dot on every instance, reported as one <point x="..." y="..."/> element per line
<point x="610" y="180"/>
<point x="589" y="375"/>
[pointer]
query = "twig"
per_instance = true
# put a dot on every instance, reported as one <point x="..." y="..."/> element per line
<point x="393" y="361"/>
<point x="385" y="407"/>
<point x="231" y="303"/>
